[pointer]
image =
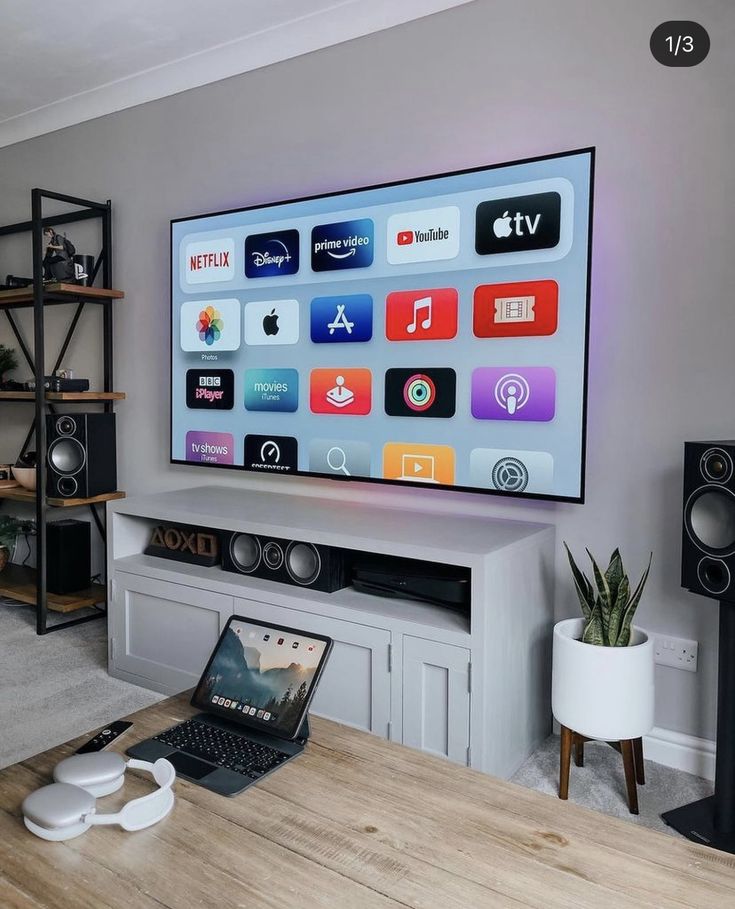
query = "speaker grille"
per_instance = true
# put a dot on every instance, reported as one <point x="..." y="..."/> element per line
<point x="66" y="456"/>
<point x="303" y="562"/>
<point x="245" y="552"/>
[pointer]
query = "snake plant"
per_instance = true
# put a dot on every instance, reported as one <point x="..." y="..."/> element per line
<point x="609" y="605"/>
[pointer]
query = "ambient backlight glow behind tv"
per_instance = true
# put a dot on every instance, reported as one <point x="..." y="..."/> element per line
<point x="431" y="332"/>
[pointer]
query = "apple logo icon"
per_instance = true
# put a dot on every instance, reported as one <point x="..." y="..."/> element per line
<point x="501" y="226"/>
<point x="270" y="323"/>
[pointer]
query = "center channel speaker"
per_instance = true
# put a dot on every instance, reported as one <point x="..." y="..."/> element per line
<point x="708" y="547"/>
<point x="81" y="455"/>
<point x="288" y="561"/>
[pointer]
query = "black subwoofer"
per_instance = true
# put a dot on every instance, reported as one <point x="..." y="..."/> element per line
<point x="68" y="556"/>
<point x="81" y="455"/>
<point x="288" y="561"/>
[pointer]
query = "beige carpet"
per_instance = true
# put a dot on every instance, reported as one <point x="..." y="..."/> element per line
<point x="56" y="687"/>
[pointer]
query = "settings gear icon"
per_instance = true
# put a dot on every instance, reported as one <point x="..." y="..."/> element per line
<point x="510" y="475"/>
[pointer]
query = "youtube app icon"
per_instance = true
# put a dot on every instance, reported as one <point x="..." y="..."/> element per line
<point x="404" y="237"/>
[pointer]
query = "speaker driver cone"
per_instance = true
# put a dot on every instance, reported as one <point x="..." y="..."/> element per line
<point x="66" y="456"/>
<point x="245" y="552"/>
<point x="714" y="575"/>
<point x="303" y="562"/>
<point x="66" y="426"/>
<point x="710" y="520"/>
<point x="273" y="555"/>
<point x="716" y="465"/>
<point x="67" y="487"/>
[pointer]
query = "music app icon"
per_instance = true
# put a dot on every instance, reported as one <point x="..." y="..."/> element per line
<point x="421" y="315"/>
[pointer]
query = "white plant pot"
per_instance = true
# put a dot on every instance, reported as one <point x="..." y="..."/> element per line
<point x="604" y="693"/>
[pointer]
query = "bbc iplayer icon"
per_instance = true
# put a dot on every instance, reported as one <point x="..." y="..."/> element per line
<point x="518" y="223"/>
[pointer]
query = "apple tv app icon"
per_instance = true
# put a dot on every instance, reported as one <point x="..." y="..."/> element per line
<point x="518" y="223"/>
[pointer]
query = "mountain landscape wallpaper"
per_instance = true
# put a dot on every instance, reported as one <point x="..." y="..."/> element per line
<point x="252" y="667"/>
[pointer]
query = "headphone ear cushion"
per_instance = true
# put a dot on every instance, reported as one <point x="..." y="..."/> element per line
<point x="58" y="811"/>
<point x="99" y="773"/>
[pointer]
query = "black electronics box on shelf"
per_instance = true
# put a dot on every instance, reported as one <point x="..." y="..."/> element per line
<point x="443" y="585"/>
<point x="59" y="384"/>
<point x="68" y="558"/>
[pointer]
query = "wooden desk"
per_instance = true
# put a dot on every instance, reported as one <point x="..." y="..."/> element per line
<point x="354" y="822"/>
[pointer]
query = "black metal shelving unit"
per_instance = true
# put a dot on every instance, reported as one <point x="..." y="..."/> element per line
<point x="25" y="584"/>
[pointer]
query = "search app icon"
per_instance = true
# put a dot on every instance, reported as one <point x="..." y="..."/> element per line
<point x="337" y="460"/>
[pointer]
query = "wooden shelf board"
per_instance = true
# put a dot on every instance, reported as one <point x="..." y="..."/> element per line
<point x="21" y="494"/>
<point x="18" y="296"/>
<point x="19" y="583"/>
<point x="82" y="396"/>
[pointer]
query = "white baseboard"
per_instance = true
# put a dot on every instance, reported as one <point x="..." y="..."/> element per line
<point x="681" y="751"/>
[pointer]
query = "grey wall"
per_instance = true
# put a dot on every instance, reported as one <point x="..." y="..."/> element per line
<point x="486" y="82"/>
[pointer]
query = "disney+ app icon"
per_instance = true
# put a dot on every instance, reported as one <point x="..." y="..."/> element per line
<point x="273" y="254"/>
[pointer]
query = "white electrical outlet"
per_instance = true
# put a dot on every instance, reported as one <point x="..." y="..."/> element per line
<point x="677" y="652"/>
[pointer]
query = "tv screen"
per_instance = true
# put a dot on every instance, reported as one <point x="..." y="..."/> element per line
<point x="430" y="332"/>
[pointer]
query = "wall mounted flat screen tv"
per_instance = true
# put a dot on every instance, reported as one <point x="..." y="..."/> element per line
<point x="430" y="332"/>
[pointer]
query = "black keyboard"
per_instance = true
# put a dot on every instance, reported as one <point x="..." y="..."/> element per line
<point x="220" y="746"/>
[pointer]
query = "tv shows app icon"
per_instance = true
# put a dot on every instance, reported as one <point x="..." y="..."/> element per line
<point x="519" y="309"/>
<point x="518" y="223"/>
<point x="343" y="244"/>
<point x="336" y="320"/>
<point x="429" y="392"/>
<point x="423" y="236"/>
<point x="210" y="325"/>
<point x="210" y="389"/>
<point x="272" y="389"/>
<point x="340" y="391"/>
<point x="210" y="447"/>
<point x="272" y="322"/>
<point x="421" y="315"/>
<point x="271" y="255"/>
<point x="415" y="463"/>
<point x="274" y="454"/>
<point x="508" y="470"/>
<point x="519" y="393"/>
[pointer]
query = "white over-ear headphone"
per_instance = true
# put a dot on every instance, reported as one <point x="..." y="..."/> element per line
<point x="67" y="807"/>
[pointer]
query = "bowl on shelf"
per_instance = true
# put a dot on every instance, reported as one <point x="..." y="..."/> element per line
<point x="26" y="476"/>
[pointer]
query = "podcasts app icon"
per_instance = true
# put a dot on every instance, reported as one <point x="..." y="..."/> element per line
<point x="420" y="392"/>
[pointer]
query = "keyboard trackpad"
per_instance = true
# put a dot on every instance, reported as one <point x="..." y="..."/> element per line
<point x="190" y="766"/>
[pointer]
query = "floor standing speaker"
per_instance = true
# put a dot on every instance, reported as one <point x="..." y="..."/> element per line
<point x="81" y="454"/>
<point x="68" y="556"/>
<point x="708" y="568"/>
<point x="288" y="561"/>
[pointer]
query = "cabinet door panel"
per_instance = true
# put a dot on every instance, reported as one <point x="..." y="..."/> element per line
<point x="355" y="686"/>
<point x="436" y="699"/>
<point x="165" y="632"/>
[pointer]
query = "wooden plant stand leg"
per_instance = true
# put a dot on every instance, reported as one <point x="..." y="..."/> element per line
<point x="640" y="770"/>
<point x="565" y="761"/>
<point x="626" y="749"/>
<point x="579" y="741"/>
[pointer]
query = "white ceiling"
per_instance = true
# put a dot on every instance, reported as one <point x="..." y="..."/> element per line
<point x="69" y="61"/>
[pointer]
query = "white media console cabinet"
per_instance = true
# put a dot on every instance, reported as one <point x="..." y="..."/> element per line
<point x="472" y="686"/>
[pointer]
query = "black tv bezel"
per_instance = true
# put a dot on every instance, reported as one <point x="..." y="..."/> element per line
<point x="544" y="497"/>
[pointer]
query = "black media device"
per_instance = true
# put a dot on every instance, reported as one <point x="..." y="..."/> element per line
<point x="288" y="561"/>
<point x="105" y="737"/>
<point x="708" y="568"/>
<point x="68" y="559"/>
<point x="255" y="693"/>
<point x="82" y="459"/>
<point x="443" y="585"/>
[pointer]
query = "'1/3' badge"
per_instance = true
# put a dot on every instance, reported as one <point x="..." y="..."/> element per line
<point x="210" y="389"/>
